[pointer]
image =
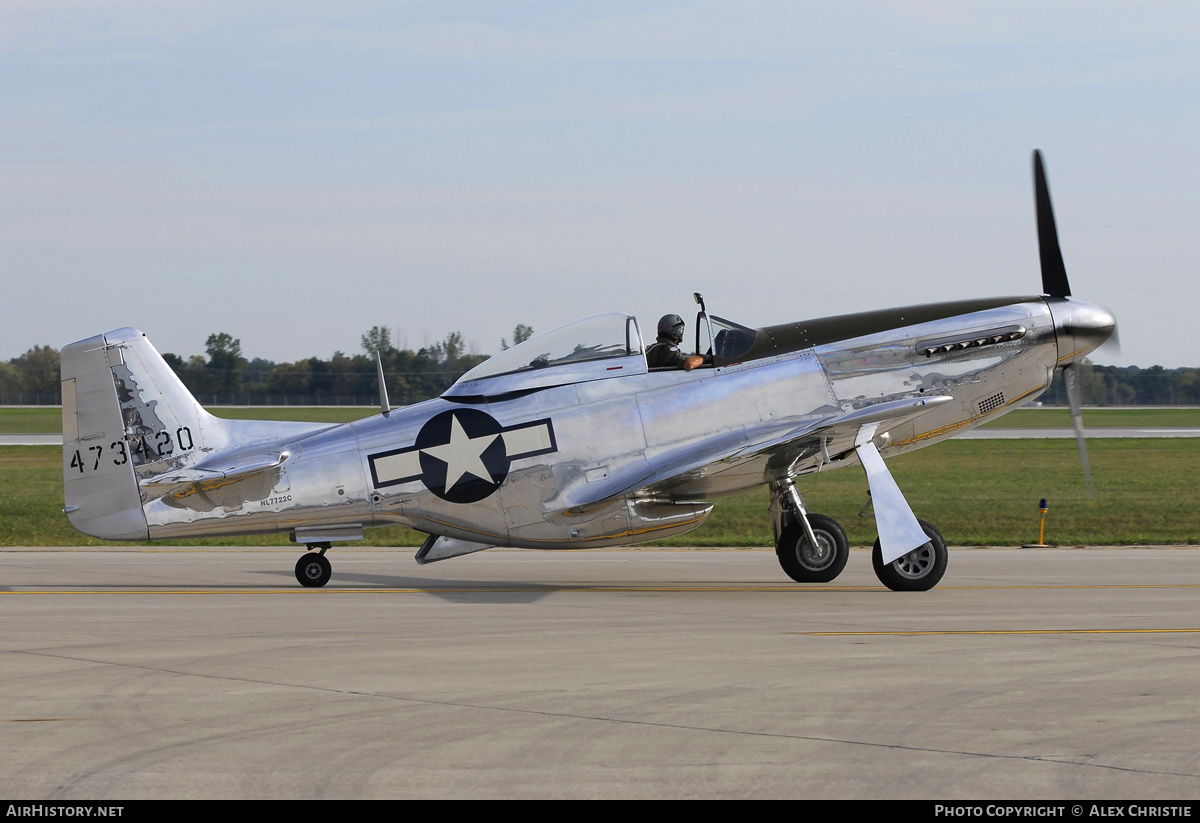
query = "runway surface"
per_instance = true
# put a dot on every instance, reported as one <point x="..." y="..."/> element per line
<point x="1066" y="674"/>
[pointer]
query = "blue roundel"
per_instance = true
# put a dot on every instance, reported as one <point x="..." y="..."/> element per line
<point x="463" y="457"/>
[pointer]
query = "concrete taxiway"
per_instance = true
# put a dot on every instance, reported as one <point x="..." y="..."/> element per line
<point x="148" y="673"/>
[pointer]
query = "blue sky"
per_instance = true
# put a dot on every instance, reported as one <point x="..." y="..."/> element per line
<point x="294" y="174"/>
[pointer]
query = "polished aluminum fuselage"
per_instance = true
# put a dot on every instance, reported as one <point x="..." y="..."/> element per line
<point x="638" y="456"/>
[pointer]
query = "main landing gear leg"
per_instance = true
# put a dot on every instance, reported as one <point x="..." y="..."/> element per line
<point x="313" y="569"/>
<point x="811" y="548"/>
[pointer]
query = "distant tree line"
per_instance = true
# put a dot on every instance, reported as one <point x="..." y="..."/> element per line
<point x="225" y="376"/>
<point x="1129" y="386"/>
<point x="32" y="379"/>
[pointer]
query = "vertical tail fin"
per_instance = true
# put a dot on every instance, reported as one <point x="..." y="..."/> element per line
<point x="126" y="415"/>
<point x="127" y="420"/>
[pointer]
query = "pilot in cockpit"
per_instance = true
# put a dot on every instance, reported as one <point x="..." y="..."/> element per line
<point x="665" y="352"/>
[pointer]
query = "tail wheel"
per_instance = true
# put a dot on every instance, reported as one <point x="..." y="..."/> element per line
<point x="919" y="570"/>
<point x="806" y="563"/>
<point x="313" y="570"/>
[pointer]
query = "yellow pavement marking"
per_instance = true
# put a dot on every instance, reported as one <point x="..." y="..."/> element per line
<point x="996" y="631"/>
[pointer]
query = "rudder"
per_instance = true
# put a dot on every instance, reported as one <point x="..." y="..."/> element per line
<point x="126" y="415"/>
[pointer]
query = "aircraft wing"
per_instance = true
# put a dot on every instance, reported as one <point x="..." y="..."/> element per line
<point x="820" y="439"/>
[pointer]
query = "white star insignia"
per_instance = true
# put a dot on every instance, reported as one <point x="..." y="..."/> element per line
<point x="463" y="455"/>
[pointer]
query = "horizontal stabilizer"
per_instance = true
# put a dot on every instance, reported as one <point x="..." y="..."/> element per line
<point x="204" y="476"/>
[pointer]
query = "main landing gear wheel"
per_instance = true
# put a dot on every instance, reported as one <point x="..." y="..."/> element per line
<point x="806" y="563"/>
<point x="313" y="570"/>
<point x="919" y="570"/>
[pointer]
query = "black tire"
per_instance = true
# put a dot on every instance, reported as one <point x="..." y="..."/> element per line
<point x="919" y="570"/>
<point x="313" y="570"/>
<point x="801" y="562"/>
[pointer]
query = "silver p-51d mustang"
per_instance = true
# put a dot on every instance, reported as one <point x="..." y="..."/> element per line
<point x="569" y="440"/>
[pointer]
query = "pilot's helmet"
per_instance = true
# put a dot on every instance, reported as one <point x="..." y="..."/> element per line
<point x="671" y="327"/>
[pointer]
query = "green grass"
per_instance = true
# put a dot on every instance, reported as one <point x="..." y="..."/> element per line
<point x="310" y="414"/>
<point x="976" y="492"/>
<point x="48" y="419"/>
<point x="30" y="420"/>
<point x="985" y="493"/>
<point x="1056" y="418"/>
<point x="31" y="502"/>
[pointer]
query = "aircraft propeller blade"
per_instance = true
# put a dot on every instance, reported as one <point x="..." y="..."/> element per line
<point x="1071" y="379"/>
<point x="1112" y="346"/>
<point x="1054" y="272"/>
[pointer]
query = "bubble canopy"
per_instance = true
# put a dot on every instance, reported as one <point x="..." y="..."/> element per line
<point x="595" y="348"/>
